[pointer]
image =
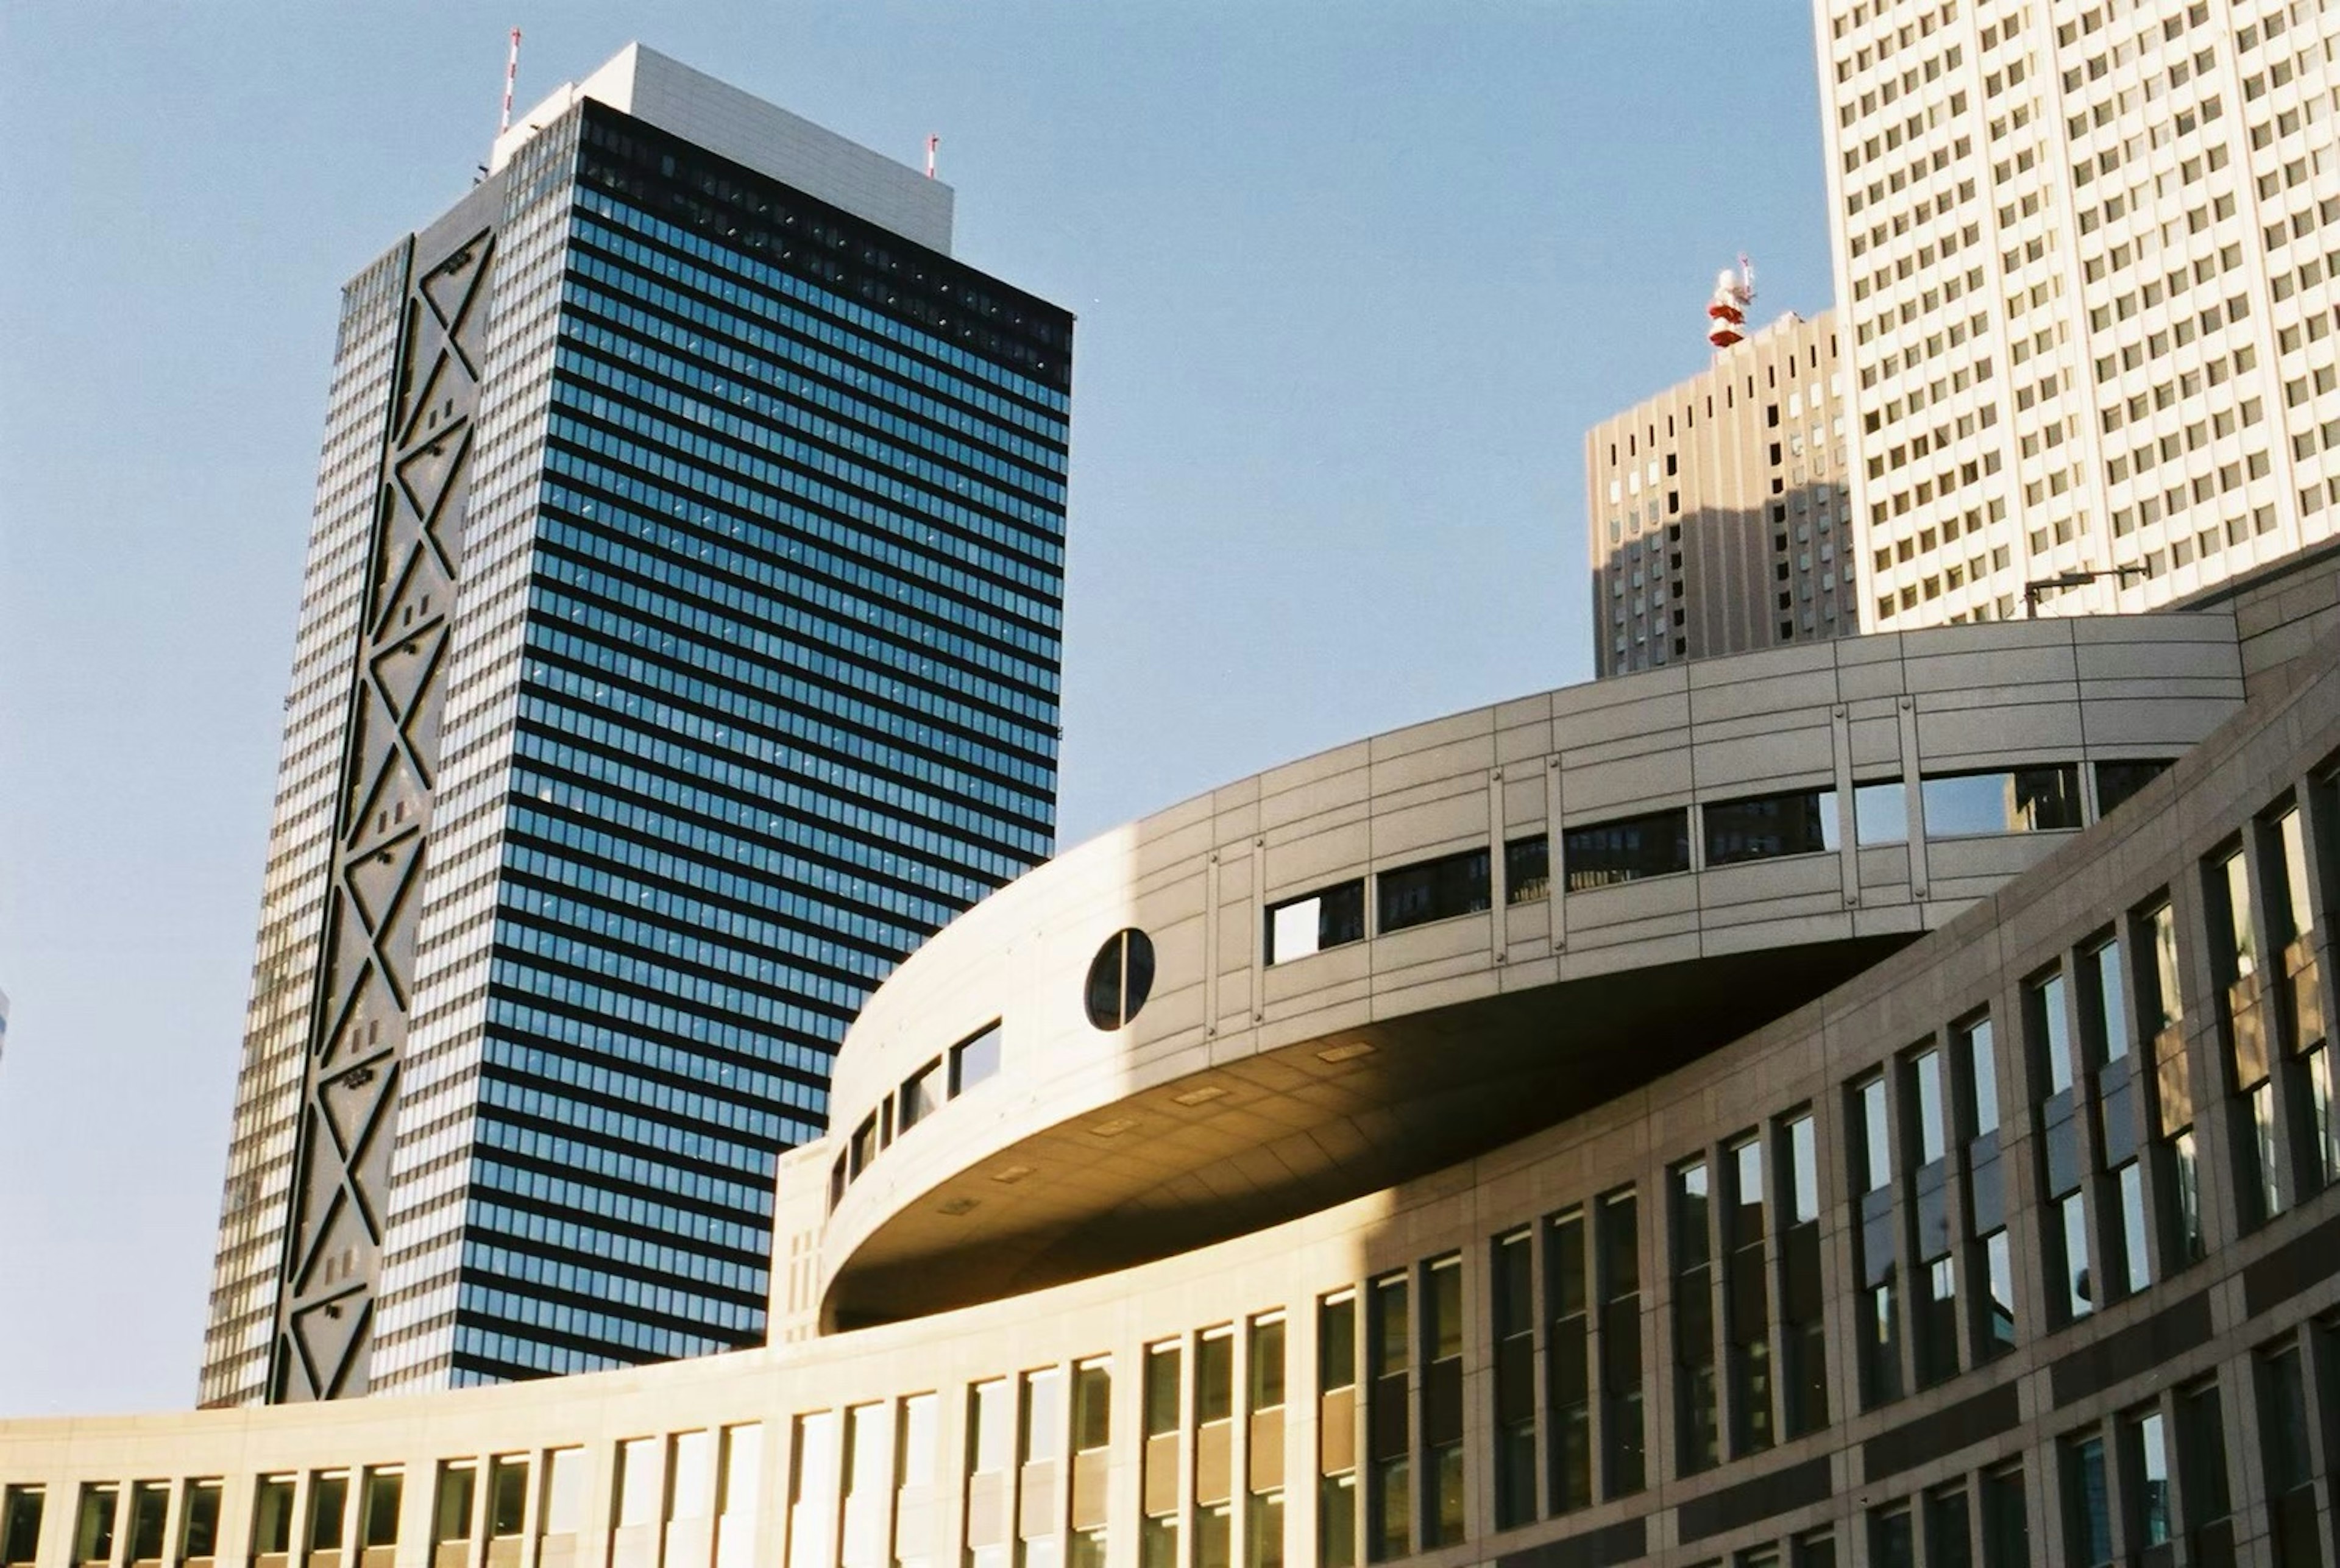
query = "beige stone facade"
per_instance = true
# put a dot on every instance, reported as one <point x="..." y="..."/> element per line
<point x="1718" y="518"/>
<point x="2021" y="1235"/>
<point x="2082" y="258"/>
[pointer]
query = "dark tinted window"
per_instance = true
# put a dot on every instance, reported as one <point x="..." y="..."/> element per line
<point x="1527" y="869"/>
<point x="1606" y="853"/>
<point x="2117" y="781"/>
<point x="1433" y="890"/>
<point x="1802" y="822"/>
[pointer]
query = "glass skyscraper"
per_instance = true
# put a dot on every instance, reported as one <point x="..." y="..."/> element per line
<point x="679" y="649"/>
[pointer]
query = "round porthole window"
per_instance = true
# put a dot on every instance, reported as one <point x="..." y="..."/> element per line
<point x="1119" y="978"/>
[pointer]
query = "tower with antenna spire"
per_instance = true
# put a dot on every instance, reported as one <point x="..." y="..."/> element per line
<point x="1726" y="313"/>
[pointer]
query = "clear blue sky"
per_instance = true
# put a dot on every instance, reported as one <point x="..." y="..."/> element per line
<point x="1353" y="280"/>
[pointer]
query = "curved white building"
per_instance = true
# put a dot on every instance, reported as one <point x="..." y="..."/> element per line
<point x="1861" y="1103"/>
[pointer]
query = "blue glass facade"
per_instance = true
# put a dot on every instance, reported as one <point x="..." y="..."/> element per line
<point x="787" y="702"/>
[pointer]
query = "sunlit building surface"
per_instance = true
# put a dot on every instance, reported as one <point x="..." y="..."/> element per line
<point x="1720" y="517"/>
<point x="678" y="650"/>
<point x="1821" y="1105"/>
<point x="2084" y="259"/>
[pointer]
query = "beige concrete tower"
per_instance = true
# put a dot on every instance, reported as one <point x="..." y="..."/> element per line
<point x="1716" y="511"/>
<point x="2082" y="252"/>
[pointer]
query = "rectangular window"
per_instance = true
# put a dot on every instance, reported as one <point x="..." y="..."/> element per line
<point x="916" y="1448"/>
<point x="2202" y="1463"/>
<point x="198" y="1527"/>
<point x="1926" y="1097"/>
<point x="1974" y="1064"/>
<point x="1328" y="918"/>
<point x="1431" y="890"/>
<point x="1091" y="1431"/>
<point x="1949" y="1534"/>
<point x="2160" y="1010"/>
<point x="990" y="1428"/>
<point x="1441" y="1401"/>
<point x="739" y="1467"/>
<point x="1624" y="1463"/>
<point x="813" y="1494"/>
<point x="381" y="1492"/>
<point x="2230" y="901"/>
<point x="2005" y="1526"/>
<point x="329" y="1510"/>
<point x="2294" y="910"/>
<point x="1879" y="1343"/>
<point x="564" y="1493"/>
<point x="1389" y="1497"/>
<point x="868" y="1443"/>
<point x="2117" y="781"/>
<point x="272" y="1515"/>
<point x="1336" y="1423"/>
<point x="1981" y="1081"/>
<point x="1803" y="1339"/>
<point x="636" y="1488"/>
<point x="2144" y="1463"/>
<point x="1746" y="1296"/>
<point x="507" y="1496"/>
<point x="2088" y="1502"/>
<point x="1697" y="1426"/>
<point x="1880" y="813"/>
<point x="1568" y="1348"/>
<point x="150" y="1514"/>
<point x="1766" y="827"/>
<point x="1511" y="1281"/>
<point x="975" y="1059"/>
<point x="1892" y="1541"/>
<point x="1263" y="1406"/>
<point x="102" y="1501"/>
<point x="1160" y="1405"/>
<point x="20" y="1526"/>
<point x="1603" y="855"/>
<point x="2020" y="800"/>
<point x="922" y="1094"/>
<point x="1527" y="869"/>
<point x="2104" y="1002"/>
<point x="2283" y="1426"/>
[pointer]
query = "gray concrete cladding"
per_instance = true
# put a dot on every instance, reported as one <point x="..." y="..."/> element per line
<point x="1141" y="1423"/>
<point x="1337" y="1072"/>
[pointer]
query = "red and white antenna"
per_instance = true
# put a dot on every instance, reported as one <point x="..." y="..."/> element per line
<point x="934" y="144"/>
<point x="511" y="76"/>
<point x="1726" y="313"/>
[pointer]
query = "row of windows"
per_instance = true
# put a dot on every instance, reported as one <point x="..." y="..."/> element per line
<point x="972" y="1061"/>
<point x="1929" y="1209"/>
<point x="809" y="404"/>
<point x="1014" y="527"/>
<point x="963" y="404"/>
<point x="903" y="542"/>
<point x="1024" y="344"/>
<point x="1798" y="822"/>
<point x="1019" y="540"/>
<point x="761" y="539"/>
<point x="860" y="946"/>
<point x="719" y="1080"/>
<point x="785" y="675"/>
<point x="595" y="761"/>
<point x="909" y="615"/>
<point x="627" y="579"/>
